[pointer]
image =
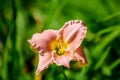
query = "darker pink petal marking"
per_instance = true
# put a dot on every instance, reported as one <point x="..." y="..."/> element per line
<point x="79" y="55"/>
<point x="78" y="39"/>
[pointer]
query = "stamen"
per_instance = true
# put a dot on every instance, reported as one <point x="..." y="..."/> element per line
<point x="59" y="46"/>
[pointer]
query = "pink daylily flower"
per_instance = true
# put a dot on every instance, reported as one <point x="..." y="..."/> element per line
<point x="60" y="46"/>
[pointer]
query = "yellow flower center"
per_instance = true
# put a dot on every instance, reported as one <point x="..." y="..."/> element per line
<point x="59" y="46"/>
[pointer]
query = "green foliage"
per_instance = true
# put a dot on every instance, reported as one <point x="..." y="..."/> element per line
<point x="20" y="19"/>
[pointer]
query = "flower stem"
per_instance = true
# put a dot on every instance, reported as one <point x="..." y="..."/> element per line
<point x="61" y="70"/>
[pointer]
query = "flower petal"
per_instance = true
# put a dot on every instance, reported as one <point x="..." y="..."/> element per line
<point x="62" y="59"/>
<point x="79" y="55"/>
<point x="44" y="61"/>
<point x="73" y="32"/>
<point x="40" y="41"/>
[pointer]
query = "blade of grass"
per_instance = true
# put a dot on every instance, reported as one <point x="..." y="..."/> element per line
<point x="115" y="63"/>
<point x="111" y="17"/>
<point x="102" y="58"/>
<point x="82" y="73"/>
<point x="55" y="10"/>
<point x="99" y="48"/>
<point x="109" y="29"/>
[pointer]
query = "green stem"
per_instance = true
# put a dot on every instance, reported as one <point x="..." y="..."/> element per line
<point x="61" y="70"/>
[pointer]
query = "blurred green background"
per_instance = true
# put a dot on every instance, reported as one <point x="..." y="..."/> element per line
<point x="20" y="19"/>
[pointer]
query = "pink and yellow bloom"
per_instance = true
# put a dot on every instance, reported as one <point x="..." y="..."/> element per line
<point x="60" y="46"/>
